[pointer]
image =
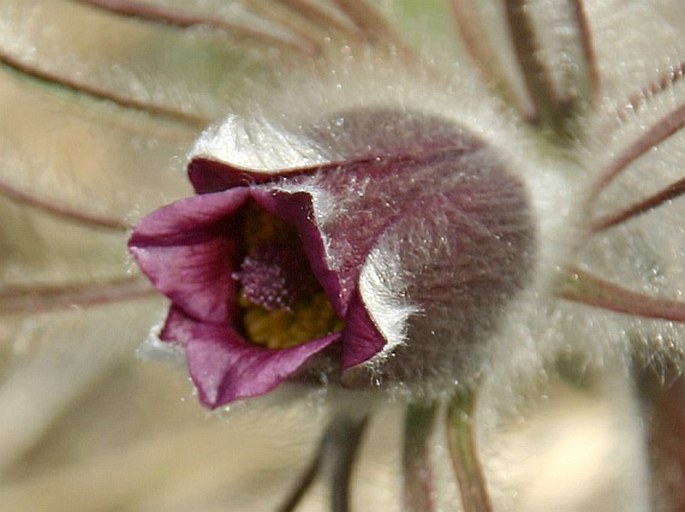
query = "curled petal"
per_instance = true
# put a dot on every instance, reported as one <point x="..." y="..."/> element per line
<point x="178" y="328"/>
<point x="362" y="340"/>
<point x="296" y="209"/>
<point x="225" y="368"/>
<point x="179" y="249"/>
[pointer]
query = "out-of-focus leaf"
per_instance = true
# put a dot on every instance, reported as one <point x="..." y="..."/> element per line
<point x="85" y="157"/>
<point x="193" y="71"/>
<point x="36" y="247"/>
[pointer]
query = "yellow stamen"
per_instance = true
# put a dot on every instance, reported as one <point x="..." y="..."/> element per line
<point x="310" y="319"/>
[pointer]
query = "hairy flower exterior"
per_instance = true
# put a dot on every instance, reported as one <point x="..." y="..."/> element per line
<point x="576" y="104"/>
<point x="429" y="239"/>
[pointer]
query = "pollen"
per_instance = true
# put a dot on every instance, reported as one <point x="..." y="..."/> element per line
<point x="309" y="319"/>
<point x="281" y="303"/>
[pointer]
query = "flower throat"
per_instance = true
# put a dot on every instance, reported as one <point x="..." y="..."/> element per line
<point x="281" y="303"/>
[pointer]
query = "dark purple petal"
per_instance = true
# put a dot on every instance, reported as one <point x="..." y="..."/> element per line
<point x="462" y="237"/>
<point x="225" y="368"/>
<point x="359" y="135"/>
<point x="390" y="158"/>
<point x="296" y="208"/>
<point x="187" y="251"/>
<point x="209" y="176"/>
<point x="361" y="338"/>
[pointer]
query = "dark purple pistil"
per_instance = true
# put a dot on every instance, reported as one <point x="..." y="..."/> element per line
<point x="276" y="276"/>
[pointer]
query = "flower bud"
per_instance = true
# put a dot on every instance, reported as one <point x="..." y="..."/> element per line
<point x="391" y="260"/>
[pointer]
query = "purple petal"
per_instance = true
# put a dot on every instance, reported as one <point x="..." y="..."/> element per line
<point x="209" y="176"/>
<point x="361" y="338"/>
<point x="178" y="328"/>
<point x="225" y="368"/>
<point x="187" y="251"/>
<point x="389" y="159"/>
<point x="296" y="209"/>
<point x="388" y="155"/>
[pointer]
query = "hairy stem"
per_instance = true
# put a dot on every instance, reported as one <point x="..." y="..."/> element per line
<point x="673" y="191"/>
<point x="416" y="465"/>
<point x="655" y="135"/>
<point x="586" y="288"/>
<point x="42" y="75"/>
<point x="487" y="61"/>
<point x="303" y="484"/>
<point x="319" y="16"/>
<point x="585" y="36"/>
<point x="183" y="19"/>
<point x="346" y="434"/>
<point x="464" y="452"/>
<point x="41" y="298"/>
<point x="640" y="99"/>
<point x="553" y="109"/>
<point x="62" y="210"/>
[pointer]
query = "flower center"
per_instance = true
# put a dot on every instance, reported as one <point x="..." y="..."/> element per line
<point x="282" y="304"/>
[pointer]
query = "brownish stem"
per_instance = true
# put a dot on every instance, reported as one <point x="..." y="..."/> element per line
<point x="585" y="36"/>
<point x="40" y="298"/>
<point x="303" y="484"/>
<point x="673" y="191"/>
<point x="586" y="288"/>
<point x="663" y="399"/>
<point x="43" y="75"/>
<point x="319" y="17"/>
<point x="62" y="210"/>
<point x="336" y="454"/>
<point x="655" y="135"/>
<point x="183" y="19"/>
<point x="464" y="452"/>
<point x="345" y="435"/>
<point x="640" y="99"/>
<point x="553" y="109"/>
<point x="485" y="58"/>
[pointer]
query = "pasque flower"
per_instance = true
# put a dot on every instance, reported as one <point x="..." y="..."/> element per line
<point x="446" y="210"/>
<point x="429" y="236"/>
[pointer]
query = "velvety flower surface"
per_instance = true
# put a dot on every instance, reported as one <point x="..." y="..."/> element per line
<point x="477" y="203"/>
<point x="424" y="208"/>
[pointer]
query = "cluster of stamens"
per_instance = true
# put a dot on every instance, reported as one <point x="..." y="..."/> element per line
<point x="281" y="302"/>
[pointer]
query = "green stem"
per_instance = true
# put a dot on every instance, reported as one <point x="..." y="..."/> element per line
<point x="464" y="453"/>
<point x="418" y="475"/>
